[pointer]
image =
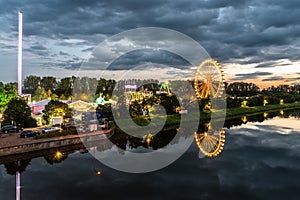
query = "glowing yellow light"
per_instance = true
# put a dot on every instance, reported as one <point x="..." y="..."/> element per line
<point x="99" y="172"/>
<point x="281" y="112"/>
<point x="208" y="144"/>
<point x="281" y="101"/>
<point x="244" y="104"/>
<point x="265" y="102"/>
<point x="244" y="119"/>
<point x="58" y="155"/>
<point x="148" y="140"/>
<point x="265" y="114"/>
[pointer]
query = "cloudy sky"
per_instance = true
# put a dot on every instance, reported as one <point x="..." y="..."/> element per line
<point x="254" y="40"/>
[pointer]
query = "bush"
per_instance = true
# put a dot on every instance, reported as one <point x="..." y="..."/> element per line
<point x="58" y="134"/>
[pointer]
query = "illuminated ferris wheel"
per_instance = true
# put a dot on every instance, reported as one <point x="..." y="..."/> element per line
<point x="209" y="79"/>
<point x="211" y="142"/>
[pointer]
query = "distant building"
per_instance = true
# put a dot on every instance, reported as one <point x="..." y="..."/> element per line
<point x="38" y="107"/>
<point x="80" y="105"/>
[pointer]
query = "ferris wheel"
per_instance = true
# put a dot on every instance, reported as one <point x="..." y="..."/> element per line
<point x="209" y="79"/>
<point x="209" y="84"/>
<point x="211" y="142"/>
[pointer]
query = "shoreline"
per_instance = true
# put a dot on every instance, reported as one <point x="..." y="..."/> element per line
<point x="21" y="146"/>
<point x="31" y="145"/>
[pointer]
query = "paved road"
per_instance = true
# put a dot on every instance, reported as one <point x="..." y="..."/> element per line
<point x="7" y="139"/>
<point x="13" y="139"/>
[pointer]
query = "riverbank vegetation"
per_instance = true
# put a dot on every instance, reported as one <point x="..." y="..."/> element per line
<point x="241" y="98"/>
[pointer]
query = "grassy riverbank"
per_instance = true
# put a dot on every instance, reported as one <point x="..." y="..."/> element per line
<point x="236" y="112"/>
<point x="173" y="121"/>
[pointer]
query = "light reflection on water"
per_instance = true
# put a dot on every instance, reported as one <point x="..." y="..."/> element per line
<point x="261" y="160"/>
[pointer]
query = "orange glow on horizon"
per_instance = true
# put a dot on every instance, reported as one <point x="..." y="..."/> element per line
<point x="262" y="84"/>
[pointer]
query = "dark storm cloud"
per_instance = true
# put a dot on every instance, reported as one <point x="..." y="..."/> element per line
<point x="266" y="65"/>
<point x="273" y="78"/>
<point x="39" y="50"/>
<point x="139" y="57"/>
<point x="251" y="75"/>
<point x="7" y="46"/>
<point x="72" y="43"/>
<point x="243" y="32"/>
<point x="73" y="63"/>
<point x="38" y="47"/>
<point x="63" y="53"/>
<point x="293" y="79"/>
<point x="88" y="49"/>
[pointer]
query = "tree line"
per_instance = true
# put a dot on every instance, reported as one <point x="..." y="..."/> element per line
<point x="84" y="88"/>
<point x="89" y="89"/>
<point x="238" y="92"/>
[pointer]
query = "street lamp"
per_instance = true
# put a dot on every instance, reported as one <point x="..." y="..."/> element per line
<point x="244" y="104"/>
<point x="265" y="102"/>
<point x="281" y="102"/>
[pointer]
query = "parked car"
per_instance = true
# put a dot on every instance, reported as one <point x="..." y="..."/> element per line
<point x="68" y="125"/>
<point x="11" y="129"/>
<point x="50" y="130"/>
<point x="28" y="133"/>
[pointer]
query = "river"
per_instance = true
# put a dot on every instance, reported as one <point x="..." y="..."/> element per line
<point x="260" y="160"/>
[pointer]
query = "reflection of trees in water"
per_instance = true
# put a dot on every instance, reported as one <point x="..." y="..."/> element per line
<point x="295" y="113"/>
<point x="157" y="141"/>
<point x="17" y="166"/>
<point x="165" y="136"/>
<point x="58" y="157"/>
<point x="103" y="146"/>
<point x="261" y="117"/>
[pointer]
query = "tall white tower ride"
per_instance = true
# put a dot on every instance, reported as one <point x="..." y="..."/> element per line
<point x="20" y="53"/>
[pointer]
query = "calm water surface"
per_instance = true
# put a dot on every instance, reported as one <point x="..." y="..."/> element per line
<point x="261" y="160"/>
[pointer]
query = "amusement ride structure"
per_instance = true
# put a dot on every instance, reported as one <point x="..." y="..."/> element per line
<point x="209" y="84"/>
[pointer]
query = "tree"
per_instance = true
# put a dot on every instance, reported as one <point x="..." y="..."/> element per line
<point x="7" y="93"/>
<point x="65" y="87"/>
<point x="58" y="157"/>
<point x="56" y="109"/>
<point x="63" y="97"/>
<point x="40" y="94"/>
<point x="16" y="166"/>
<point x="54" y="96"/>
<point x="49" y="83"/>
<point x="31" y="83"/>
<point x="105" y="110"/>
<point x="135" y="109"/>
<point x="19" y="113"/>
<point x="105" y="86"/>
<point x="242" y="89"/>
<point x="169" y="103"/>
